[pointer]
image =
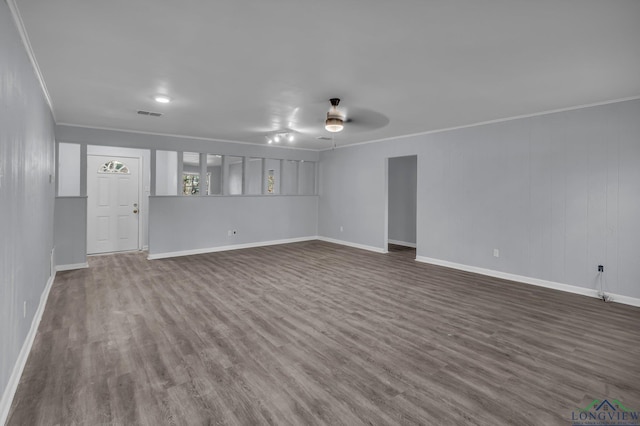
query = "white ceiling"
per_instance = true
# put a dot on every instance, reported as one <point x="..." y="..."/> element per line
<point x="239" y="69"/>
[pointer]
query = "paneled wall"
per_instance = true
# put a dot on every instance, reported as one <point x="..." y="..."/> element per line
<point x="555" y="194"/>
<point x="27" y="194"/>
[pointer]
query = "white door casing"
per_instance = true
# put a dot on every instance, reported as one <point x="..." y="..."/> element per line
<point x="112" y="204"/>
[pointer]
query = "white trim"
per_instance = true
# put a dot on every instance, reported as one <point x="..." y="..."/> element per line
<point x="226" y="248"/>
<point x="626" y="300"/>
<point x="72" y="266"/>
<point x="350" y="244"/>
<point x="483" y="123"/>
<point x="529" y="280"/>
<point x="18" y="368"/>
<point x="17" y="19"/>
<point x="385" y="248"/>
<point x="403" y="243"/>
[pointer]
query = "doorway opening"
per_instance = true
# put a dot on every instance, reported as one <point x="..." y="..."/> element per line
<point x="402" y="187"/>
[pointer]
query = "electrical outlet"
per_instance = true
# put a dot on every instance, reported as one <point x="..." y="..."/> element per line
<point x="496" y="253"/>
<point x="600" y="268"/>
<point x="235" y="232"/>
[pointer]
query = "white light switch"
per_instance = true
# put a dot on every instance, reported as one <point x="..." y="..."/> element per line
<point x="496" y="253"/>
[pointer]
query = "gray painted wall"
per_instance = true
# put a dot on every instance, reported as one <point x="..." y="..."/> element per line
<point x="191" y="223"/>
<point x="557" y="194"/>
<point x="26" y="194"/>
<point x="70" y="241"/>
<point x="141" y="141"/>
<point x="166" y="172"/>
<point x="402" y="198"/>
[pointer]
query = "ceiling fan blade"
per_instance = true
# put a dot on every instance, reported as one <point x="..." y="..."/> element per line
<point x="362" y="119"/>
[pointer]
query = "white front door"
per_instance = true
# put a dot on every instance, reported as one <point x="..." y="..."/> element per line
<point x="112" y="204"/>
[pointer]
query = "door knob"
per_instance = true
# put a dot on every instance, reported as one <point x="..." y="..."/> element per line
<point x="135" y="211"/>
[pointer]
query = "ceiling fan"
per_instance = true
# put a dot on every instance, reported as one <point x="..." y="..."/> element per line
<point x="351" y="120"/>
<point x="358" y="119"/>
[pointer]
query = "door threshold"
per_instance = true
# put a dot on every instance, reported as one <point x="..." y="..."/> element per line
<point x="115" y="252"/>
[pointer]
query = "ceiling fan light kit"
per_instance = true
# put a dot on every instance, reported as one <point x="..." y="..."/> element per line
<point x="277" y="137"/>
<point x="162" y="99"/>
<point x="334" y="124"/>
<point x="335" y="120"/>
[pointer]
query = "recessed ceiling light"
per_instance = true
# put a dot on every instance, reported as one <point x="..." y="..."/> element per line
<point x="163" y="99"/>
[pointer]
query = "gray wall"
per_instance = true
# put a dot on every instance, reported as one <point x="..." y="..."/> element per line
<point x="113" y="138"/>
<point x="557" y="194"/>
<point x="70" y="241"/>
<point x="192" y="223"/>
<point x="402" y="199"/>
<point x="26" y="194"/>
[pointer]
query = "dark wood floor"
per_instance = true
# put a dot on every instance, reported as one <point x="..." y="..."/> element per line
<point x="315" y="333"/>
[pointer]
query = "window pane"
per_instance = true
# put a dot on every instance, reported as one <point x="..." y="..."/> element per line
<point x="114" y="166"/>
<point x="254" y="176"/>
<point x="191" y="173"/>
<point x="290" y="177"/>
<point x="233" y="167"/>
<point x="214" y="174"/>
<point x="272" y="176"/>
<point x="307" y="178"/>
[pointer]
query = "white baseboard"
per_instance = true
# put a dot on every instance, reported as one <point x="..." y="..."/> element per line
<point x="402" y="243"/>
<point x="229" y="247"/>
<point x="529" y="280"/>
<point x="618" y="298"/>
<point x="72" y="266"/>
<point x="350" y="244"/>
<point x="18" y="368"/>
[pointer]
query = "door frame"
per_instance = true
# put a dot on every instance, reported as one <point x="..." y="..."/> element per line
<point x="138" y="159"/>
<point x="386" y="199"/>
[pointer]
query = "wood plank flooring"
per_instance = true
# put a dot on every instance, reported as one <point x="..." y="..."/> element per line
<point x="314" y="333"/>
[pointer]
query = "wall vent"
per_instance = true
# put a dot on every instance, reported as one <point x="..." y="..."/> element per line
<point x="323" y="138"/>
<point x="149" y="113"/>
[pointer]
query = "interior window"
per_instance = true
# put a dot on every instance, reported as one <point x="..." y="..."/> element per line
<point x="214" y="174"/>
<point x="191" y="184"/>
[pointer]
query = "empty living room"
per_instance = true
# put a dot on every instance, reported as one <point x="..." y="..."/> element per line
<point x="335" y="213"/>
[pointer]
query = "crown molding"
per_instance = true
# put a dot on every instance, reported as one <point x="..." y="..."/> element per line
<point x="483" y="123"/>
<point x="17" y="19"/>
